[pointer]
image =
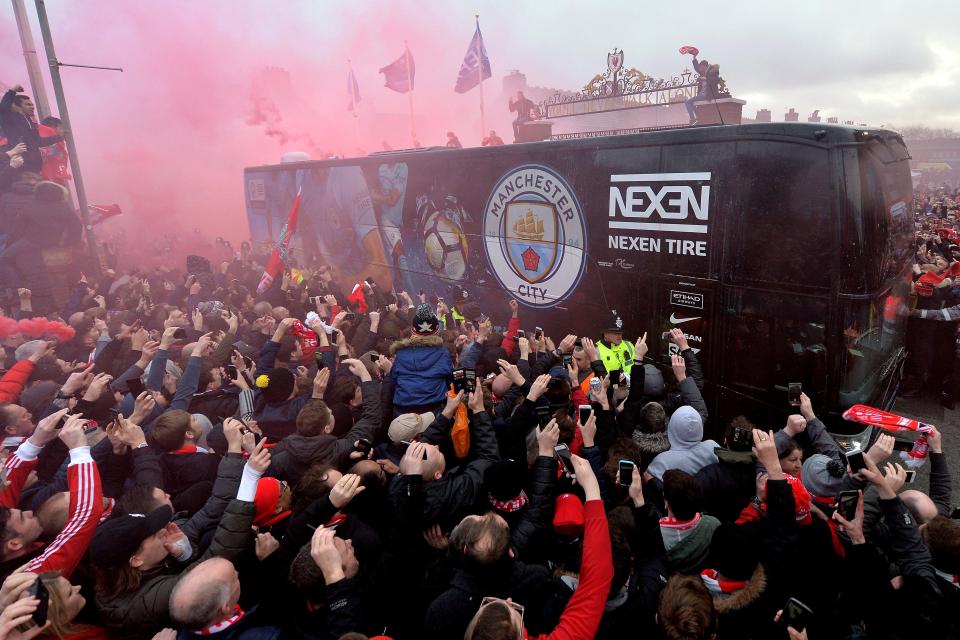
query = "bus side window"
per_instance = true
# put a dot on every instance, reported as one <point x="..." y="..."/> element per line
<point x="774" y="340"/>
<point x="785" y="233"/>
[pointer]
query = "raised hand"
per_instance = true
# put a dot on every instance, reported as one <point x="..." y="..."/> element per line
<point x="547" y="439"/>
<point x="677" y="336"/>
<point x="589" y="430"/>
<point x="511" y="371"/>
<point x="324" y="552"/>
<point x="260" y="458"/>
<point x="452" y="403"/>
<point x="346" y="489"/>
<point x="679" y="367"/>
<point x="320" y="382"/>
<point x="97" y="385"/>
<point x="586" y="477"/>
<point x="539" y="387"/>
<point x="640" y="347"/>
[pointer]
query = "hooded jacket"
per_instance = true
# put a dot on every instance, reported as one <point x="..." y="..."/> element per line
<point x="296" y="453"/>
<point x="422" y="371"/>
<point x="687" y="452"/>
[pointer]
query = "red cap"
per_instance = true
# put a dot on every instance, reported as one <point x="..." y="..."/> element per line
<point x="266" y="499"/>
<point x="568" y="516"/>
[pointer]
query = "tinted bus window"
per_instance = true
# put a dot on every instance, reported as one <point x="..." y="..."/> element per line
<point x="786" y="232"/>
<point x="774" y="339"/>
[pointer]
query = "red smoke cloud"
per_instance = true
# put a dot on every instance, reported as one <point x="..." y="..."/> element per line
<point x="212" y="87"/>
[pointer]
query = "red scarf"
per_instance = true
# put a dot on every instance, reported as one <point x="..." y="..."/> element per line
<point x="509" y="506"/>
<point x="715" y="585"/>
<point x="184" y="450"/>
<point x="238" y="614"/>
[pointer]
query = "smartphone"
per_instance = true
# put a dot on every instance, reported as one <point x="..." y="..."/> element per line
<point x="374" y="358"/>
<point x="350" y="317"/>
<point x="408" y="443"/>
<point x="521" y="333"/>
<point x="363" y="446"/>
<point x="343" y="357"/>
<point x="318" y="358"/>
<point x="794" y="389"/>
<point x="315" y="299"/>
<point x="180" y="334"/>
<point x="626" y="472"/>
<point x="911" y="476"/>
<point x="563" y="452"/>
<point x="856" y="461"/>
<point x="370" y="282"/>
<point x="796" y="614"/>
<point x="334" y="336"/>
<point x="615" y="376"/>
<point x="231" y="371"/>
<point x="567" y="360"/>
<point x="585" y="411"/>
<point x="459" y="380"/>
<point x="39" y="617"/>
<point x="955" y="514"/>
<point x="135" y="386"/>
<point x="470" y="380"/>
<point x="537" y="333"/>
<point x="847" y="504"/>
<point x="544" y="416"/>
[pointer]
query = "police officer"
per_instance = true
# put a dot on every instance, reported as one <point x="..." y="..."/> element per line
<point x="615" y="352"/>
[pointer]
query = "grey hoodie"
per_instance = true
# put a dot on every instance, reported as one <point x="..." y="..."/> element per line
<point x="687" y="452"/>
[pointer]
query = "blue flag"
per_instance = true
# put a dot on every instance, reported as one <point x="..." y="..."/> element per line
<point x="398" y="75"/>
<point x="473" y="61"/>
<point x="352" y="90"/>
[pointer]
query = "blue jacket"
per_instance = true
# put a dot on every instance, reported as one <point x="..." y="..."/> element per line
<point x="422" y="371"/>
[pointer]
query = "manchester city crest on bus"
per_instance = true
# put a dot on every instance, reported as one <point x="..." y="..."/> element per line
<point x="534" y="235"/>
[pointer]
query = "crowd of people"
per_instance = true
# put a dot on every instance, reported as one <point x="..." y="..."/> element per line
<point x="325" y="459"/>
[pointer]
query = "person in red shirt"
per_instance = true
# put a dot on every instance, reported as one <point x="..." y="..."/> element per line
<point x="21" y="530"/>
<point x="503" y="620"/>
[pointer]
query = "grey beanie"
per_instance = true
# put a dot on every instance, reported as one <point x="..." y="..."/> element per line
<point x="825" y="477"/>
<point x="172" y="369"/>
<point x="653" y="384"/>
<point x="27" y="349"/>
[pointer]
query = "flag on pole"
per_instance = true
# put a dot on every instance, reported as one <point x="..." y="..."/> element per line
<point x="278" y="259"/>
<point x="398" y="75"/>
<point x="474" y="60"/>
<point x="100" y="212"/>
<point x="352" y="90"/>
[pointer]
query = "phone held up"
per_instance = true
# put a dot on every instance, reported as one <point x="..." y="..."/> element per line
<point x="847" y="504"/>
<point x="856" y="460"/>
<point x="796" y="614"/>
<point x="585" y="411"/>
<point x="626" y="472"/>
<point x="39" y="617"/>
<point x="563" y="452"/>
<point x="794" y="389"/>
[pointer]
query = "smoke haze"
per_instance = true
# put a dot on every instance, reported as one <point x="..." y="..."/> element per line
<point x="211" y="87"/>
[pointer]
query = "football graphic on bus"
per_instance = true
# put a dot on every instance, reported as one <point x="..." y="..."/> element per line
<point x="445" y="246"/>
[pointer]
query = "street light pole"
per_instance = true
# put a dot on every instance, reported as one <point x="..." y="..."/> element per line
<point x="30" y="57"/>
<point x="67" y="131"/>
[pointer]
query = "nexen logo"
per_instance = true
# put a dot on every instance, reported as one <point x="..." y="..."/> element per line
<point x="673" y="202"/>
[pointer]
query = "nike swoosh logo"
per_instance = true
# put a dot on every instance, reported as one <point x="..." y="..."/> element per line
<point x="675" y="320"/>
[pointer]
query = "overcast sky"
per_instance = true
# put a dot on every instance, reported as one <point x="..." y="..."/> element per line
<point x="172" y="133"/>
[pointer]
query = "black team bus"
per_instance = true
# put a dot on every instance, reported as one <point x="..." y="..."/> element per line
<point x="781" y="250"/>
